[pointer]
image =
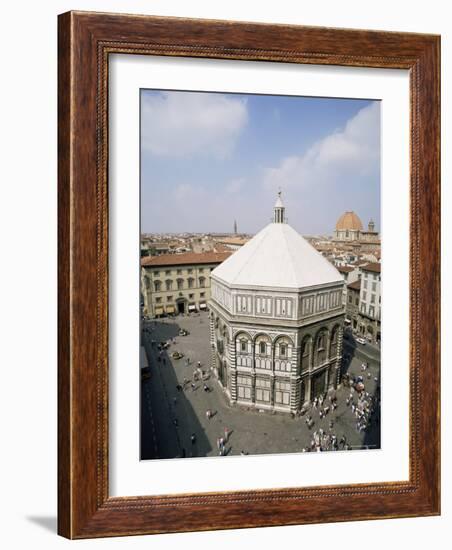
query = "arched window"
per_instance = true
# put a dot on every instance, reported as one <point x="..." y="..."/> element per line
<point x="169" y="284"/>
<point x="190" y="282"/>
<point x="306" y="353"/>
<point x="321" y="348"/>
<point x="157" y="286"/>
<point x="282" y="355"/>
<point x="262" y="351"/>
<point x="202" y="282"/>
<point x="243" y="350"/>
<point x="180" y="284"/>
<point x="334" y="341"/>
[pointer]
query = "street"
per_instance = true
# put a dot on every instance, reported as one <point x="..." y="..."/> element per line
<point x="174" y="421"/>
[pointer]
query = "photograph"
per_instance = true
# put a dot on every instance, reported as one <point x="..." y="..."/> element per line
<point x="260" y="274"/>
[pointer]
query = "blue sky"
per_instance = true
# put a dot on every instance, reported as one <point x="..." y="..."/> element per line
<point x="210" y="158"/>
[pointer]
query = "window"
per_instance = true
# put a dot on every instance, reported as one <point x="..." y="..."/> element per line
<point x="357" y="301"/>
<point x="191" y="296"/>
<point x="190" y="271"/>
<point x="243" y="387"/>
<point x="262" y="390"/>
<point x="374" y="287"/>
<point x="158" y="300"/>
<point x="333" y="344"/>
<point x="201" y="270"/>
<point x="372" y="298"/>
<point x="202" y="282"/>
<point x="168" y="272"/>
<point x="169" y="285"/>
<point x="364" y="296"/>
<point x="202" y="294"/>
<point x="372" y="311"/>
<point x="282" y="366"/>
<point x="305" y="354"/>
<point x="157" y="286"/>
<point x="262" y="347"/>
<point x="244" y="392"/>
<point x="243" y="346"/>
<point x="282" y="393"/>
<point x="180" y="284"/>
<point x="156" y="273"/>
<point x="169" y="298"/>
<point x="321" y="349"/>
<point x="179" y="271"/>
<point x="262" y="395"/>
<point x="349" y="298"/>
<point x="190" y="282"/>
<point x="282" y="350"/>
<point x="365" y="283"/>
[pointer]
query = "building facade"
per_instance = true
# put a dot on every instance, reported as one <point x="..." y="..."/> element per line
<point x="363" y="308"/>
<point x="349" y="228"/>
<point x="276" y="321"/>
<point x="370" y="302"/>
<point x="177" y="283"/>
<point x="352" y="318"/>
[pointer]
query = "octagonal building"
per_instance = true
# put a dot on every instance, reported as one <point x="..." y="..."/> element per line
<point x="276" y="320"/>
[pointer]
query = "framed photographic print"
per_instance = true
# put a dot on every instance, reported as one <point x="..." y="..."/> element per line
<point x="248" y="275"/>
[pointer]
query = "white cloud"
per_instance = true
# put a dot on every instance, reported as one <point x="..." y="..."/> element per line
<point x="182" y="124"/>
<point x="234" y="185"/>
<point x="353" y="151"/>
<point x="183" y="191"/>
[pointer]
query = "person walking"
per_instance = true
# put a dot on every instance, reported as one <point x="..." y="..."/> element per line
<point x="226" y="435"/>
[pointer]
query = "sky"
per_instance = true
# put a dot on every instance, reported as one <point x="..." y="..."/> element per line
<point x="208" y="159"/>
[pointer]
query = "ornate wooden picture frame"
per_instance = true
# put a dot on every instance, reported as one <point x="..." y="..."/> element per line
<point x="86" y="40"/>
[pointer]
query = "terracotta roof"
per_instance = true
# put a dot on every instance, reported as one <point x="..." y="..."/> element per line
<point x="345" y="269"/>
<point x="349" y="220"/>
<point x="372" y="266"/>
<point x="188" y="258"/>
<point x="356" y="285"/>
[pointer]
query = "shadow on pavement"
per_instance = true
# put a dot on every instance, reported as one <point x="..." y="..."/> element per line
<point x="167" y="417"/>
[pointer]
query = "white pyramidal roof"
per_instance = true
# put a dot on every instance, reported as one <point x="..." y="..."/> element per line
<point x="277" y="256"/>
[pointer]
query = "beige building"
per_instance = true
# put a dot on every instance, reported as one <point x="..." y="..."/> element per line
<point x="370" y="302"/>
<point x="177" y="283"/>
<point x="363" y="311"/>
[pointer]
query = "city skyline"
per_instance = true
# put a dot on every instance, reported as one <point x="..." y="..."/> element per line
<point x="214" y="158"/>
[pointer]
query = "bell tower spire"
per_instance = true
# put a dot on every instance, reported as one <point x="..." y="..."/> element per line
<point x="279" y="210"/>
